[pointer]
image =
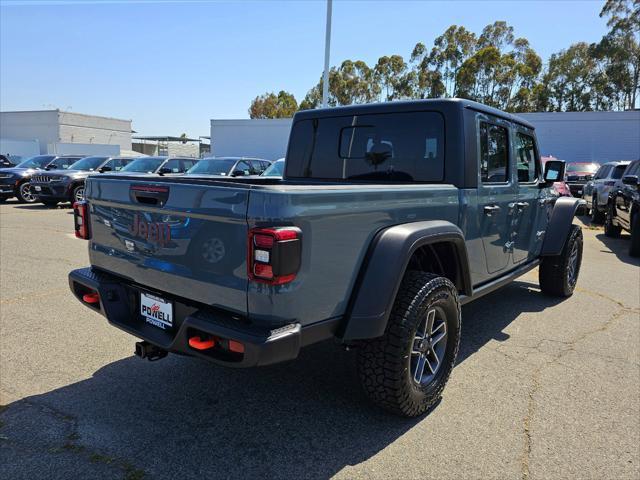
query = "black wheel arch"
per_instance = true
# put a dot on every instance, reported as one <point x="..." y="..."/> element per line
<point x="564" y="210"/>
<point x="428" y="246"/>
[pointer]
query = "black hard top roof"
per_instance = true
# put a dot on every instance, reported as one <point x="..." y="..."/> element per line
<point x="407" y="106"/>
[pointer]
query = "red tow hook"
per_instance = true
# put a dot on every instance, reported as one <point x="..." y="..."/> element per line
<point x="198" y="344"/>
<point x="91" y="298"/>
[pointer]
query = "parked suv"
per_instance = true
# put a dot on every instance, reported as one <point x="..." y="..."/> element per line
<point x="389" y="218"/>
<point x="578" y="174"/>
<point x="16" y="182"/>
<point x="596" y="191"/>
<point x="68" y="185"/>
<point x="230" y="166"/>
<point x="623" y="208"/>
<point x="170" y="166"/>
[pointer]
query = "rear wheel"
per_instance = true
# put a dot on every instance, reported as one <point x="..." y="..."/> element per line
<point x="611" y="230"/>
<point x="558" y="274"/>
<point x="596" y="214"/>
<point x="406" y="370"/>
<point x="25" y="195"/>
<point x="634" y="248"/>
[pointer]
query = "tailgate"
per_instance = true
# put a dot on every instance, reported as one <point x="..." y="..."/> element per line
<point x="187" y="239"/>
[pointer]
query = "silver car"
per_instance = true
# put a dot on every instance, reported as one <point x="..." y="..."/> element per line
<point x="596" y="190"/>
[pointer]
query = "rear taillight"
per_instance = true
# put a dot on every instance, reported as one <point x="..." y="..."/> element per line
<point x="81" y="220"/>
<point x="274" y="254"/>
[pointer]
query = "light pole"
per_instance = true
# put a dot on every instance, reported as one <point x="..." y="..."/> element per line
<point x="327" y="47"/>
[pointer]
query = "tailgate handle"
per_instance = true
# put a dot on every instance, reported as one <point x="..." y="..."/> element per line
<point x="149" y="194"/>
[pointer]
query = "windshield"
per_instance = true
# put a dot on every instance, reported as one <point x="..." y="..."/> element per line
<point x="142" y="165"/>
<point x="212" y="166"/>
<point x="274" y="170"/>
<point x="583" y="167"/>
<point x="88" y="163"/>
<point x="40" y="161"/>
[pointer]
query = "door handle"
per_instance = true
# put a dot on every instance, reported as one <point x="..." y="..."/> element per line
<point x="522" y="205"/>
<point x="491" y="209"/>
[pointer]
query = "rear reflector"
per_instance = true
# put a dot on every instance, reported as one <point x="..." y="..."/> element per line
<point x="274" y="254"/>
<point x="236" y="346"/>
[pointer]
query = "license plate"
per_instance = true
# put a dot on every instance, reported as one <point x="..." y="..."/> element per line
<point x="156" y="311"/>
<point x="38" y="188"/>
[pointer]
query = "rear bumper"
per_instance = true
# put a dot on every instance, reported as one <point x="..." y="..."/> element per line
<point x="119" y="303"/>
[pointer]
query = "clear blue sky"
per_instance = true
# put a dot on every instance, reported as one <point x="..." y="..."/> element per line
<point x="171" y="66"/>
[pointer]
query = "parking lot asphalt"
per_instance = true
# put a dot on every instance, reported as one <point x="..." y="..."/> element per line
<point x="543" y="388"/>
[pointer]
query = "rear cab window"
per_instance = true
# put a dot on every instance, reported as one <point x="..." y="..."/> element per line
<point x="387" y="147"/>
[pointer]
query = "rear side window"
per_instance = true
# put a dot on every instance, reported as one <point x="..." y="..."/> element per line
<point x="526" y="159"/>
<point x="388" y="147"/>
<point x="618" y="171"/>
<point x="494" y="153"/>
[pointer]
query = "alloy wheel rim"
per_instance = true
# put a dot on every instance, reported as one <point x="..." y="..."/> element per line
<point x="79" y="195"/>
<point x="26" y="194"/>
<point x="428" y="347"/>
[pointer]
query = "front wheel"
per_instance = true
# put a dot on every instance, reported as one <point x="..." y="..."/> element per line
<point x="558" y="274"/>
<point x="406" y="370"/>
<point x="25" y="195"/>
<point x="78" y="194"/>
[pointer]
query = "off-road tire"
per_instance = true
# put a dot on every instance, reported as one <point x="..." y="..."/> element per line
<point x="611" y="230"/>
<point x="384" y="362"/>
<point x="634" y="247"/>
<point x="596" y="215"/>
<point x="554" y="273"/>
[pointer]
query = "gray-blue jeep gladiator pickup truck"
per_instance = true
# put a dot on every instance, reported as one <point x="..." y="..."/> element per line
<point x="389" y="217"/>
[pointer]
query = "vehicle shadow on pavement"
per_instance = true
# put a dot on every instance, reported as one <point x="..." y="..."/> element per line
<point x="182" y="417"/>
<point x="619" y="247"/>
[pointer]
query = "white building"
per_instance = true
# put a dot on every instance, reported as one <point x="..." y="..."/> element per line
<point x="588" y="136"/>
<point x="67" y="132"/>
<point x="261" y="138"/>
<point x="571" y="136"/>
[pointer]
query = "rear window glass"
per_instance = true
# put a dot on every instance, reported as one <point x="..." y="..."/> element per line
<point x="392" y="147"/>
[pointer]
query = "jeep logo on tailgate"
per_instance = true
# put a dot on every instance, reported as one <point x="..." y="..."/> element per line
<point x="154" y="232"/>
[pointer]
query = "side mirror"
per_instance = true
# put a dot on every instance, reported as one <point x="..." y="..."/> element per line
<point x="553" y="172"/>
<point x="632" y="180"/>
<point x="237" y="173"/>
<point x="164" y="170"/>
<point x="50" y="167"/>
<point x="104" y="169"/>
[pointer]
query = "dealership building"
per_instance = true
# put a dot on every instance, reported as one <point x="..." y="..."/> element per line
<point x="571" y="136"/>
<point x="27" y="133"/>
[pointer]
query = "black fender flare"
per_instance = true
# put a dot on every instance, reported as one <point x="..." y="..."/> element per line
<point x="384" y="267"/>
<point x="559" y="225"/>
